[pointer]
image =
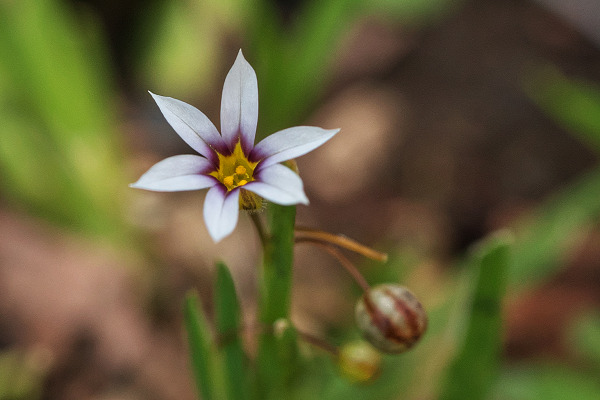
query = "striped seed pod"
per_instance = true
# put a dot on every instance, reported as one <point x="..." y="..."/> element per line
<point x="390" y="318"/>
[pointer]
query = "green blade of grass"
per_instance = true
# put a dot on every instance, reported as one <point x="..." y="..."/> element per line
<point x="227" y="314"/>
<point x="546" y="382"/>
<point x="476" y="365"/>
<point x="57" y="79"/>
<point x="294" y="60"/>
<point x="573" y="104"/>
<point x="585" y="337"/>
<point x="202" y="350"/>
<point x="543" y="242"/>
<point x="275" y="360"/>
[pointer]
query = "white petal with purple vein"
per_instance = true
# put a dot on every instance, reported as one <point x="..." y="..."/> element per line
<point x="290" y="143"/>
<point x="221" y="209"/>
<point x="177" y="173"/>
<point x="278" y="184"/>
<point x="239" y="104"/>
<point x="192" y="125"/>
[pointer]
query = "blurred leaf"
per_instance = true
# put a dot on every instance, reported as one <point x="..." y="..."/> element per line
<point x="412" y="11"/>
<point x="276" y="353"/>
<point x="550" y="233"/>
<point x="202" y="351"/>
<point x="19" y="380"/>
<point x="180" y="57"/>
<point x="546" y="382"/>
<point x="293" y="61"/>
<point x="585" y="337"/>
<point x="477" y="363"/>
<point x="56" y="80"/>
<point x="227" y="313"/>
<point x="573" y="104"/>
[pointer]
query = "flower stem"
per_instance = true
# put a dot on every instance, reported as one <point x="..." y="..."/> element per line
<point x="260" y="229"/>
<point x="318" y="342"/>
<point x="341" y="241"/>
<point x="346" y="263"/>
<point x="276" y="355"/>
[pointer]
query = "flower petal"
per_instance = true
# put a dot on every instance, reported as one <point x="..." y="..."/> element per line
<point x="239" y="105"/>
<point x="192" y="125"/>
<point x="278" y="184"/>
<point x="177" y="173"/>
<point x="221" y="209"/>
<point x="290" y="143"/>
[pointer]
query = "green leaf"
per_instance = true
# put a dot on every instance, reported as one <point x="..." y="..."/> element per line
<point x="293" y="60"/>
<point x="585" y="337"/>
<point x="544" y="240"/>
<point x="552" y="231"/>
<point x="573" y="104"/>
<point x="546" y="382"/>
<point x="56" y="80"/>
<point x="276" y="355"/>
<point x="277" y="264"/>
<point x="228" y="331"/>
<point x="202" y="349"/>
<point x="476" y="365"/>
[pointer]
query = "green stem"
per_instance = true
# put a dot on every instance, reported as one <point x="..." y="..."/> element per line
<point x="260" y="229"/>
<point x="276" y="356"/>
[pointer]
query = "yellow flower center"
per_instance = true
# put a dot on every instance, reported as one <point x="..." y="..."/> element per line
<point x="235" y="169"/>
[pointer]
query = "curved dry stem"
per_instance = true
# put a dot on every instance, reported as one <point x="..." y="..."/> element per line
<point x="318" y="342"/>
<point x="341" y="241"/>
<point x="254" y="329"/>
<point x="346" y="263"/>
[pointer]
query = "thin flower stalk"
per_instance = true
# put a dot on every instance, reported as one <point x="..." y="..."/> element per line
<point x="341" y="241"/>
<point x="344" y="261"/>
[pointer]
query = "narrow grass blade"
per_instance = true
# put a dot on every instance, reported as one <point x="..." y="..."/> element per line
<point x="552" y="231"/>
<point x="56" y="79"/>
<point x="573" y="104"/>
<point x="201" y="348"/>
<point x="228" y="332"/>
<point x="476" y="365"/>
<point x="546" y="382"/>
<point x="585" y="338"/>
<point x="276" y="360"/>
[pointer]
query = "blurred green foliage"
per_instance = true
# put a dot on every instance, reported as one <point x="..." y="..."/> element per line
<point x="585" y="339"/>
<point x="550" y="234"/>
<point x="228" y="330"/>
<point x="176" y="55"/>
<point x="60" y="155"/>
<point x="574" y="104"/>
<point x="19" y="378"/>
<point x="205" y="366"/>
<point x="476" y="365"/>
<point x="546" y="382"/>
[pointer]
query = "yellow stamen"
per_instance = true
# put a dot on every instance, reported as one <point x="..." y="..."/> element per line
<point x="240" y="170"/>
<point x="228" y="181"/>
<point x="242" y="182"/>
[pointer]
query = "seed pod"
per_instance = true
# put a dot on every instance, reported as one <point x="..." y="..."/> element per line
<point x="391" y="318"/>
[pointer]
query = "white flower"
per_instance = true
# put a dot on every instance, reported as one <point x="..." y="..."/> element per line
<point x="237" y="173"/>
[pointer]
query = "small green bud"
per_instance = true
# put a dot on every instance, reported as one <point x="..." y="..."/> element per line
<point x="359" y="361"/>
